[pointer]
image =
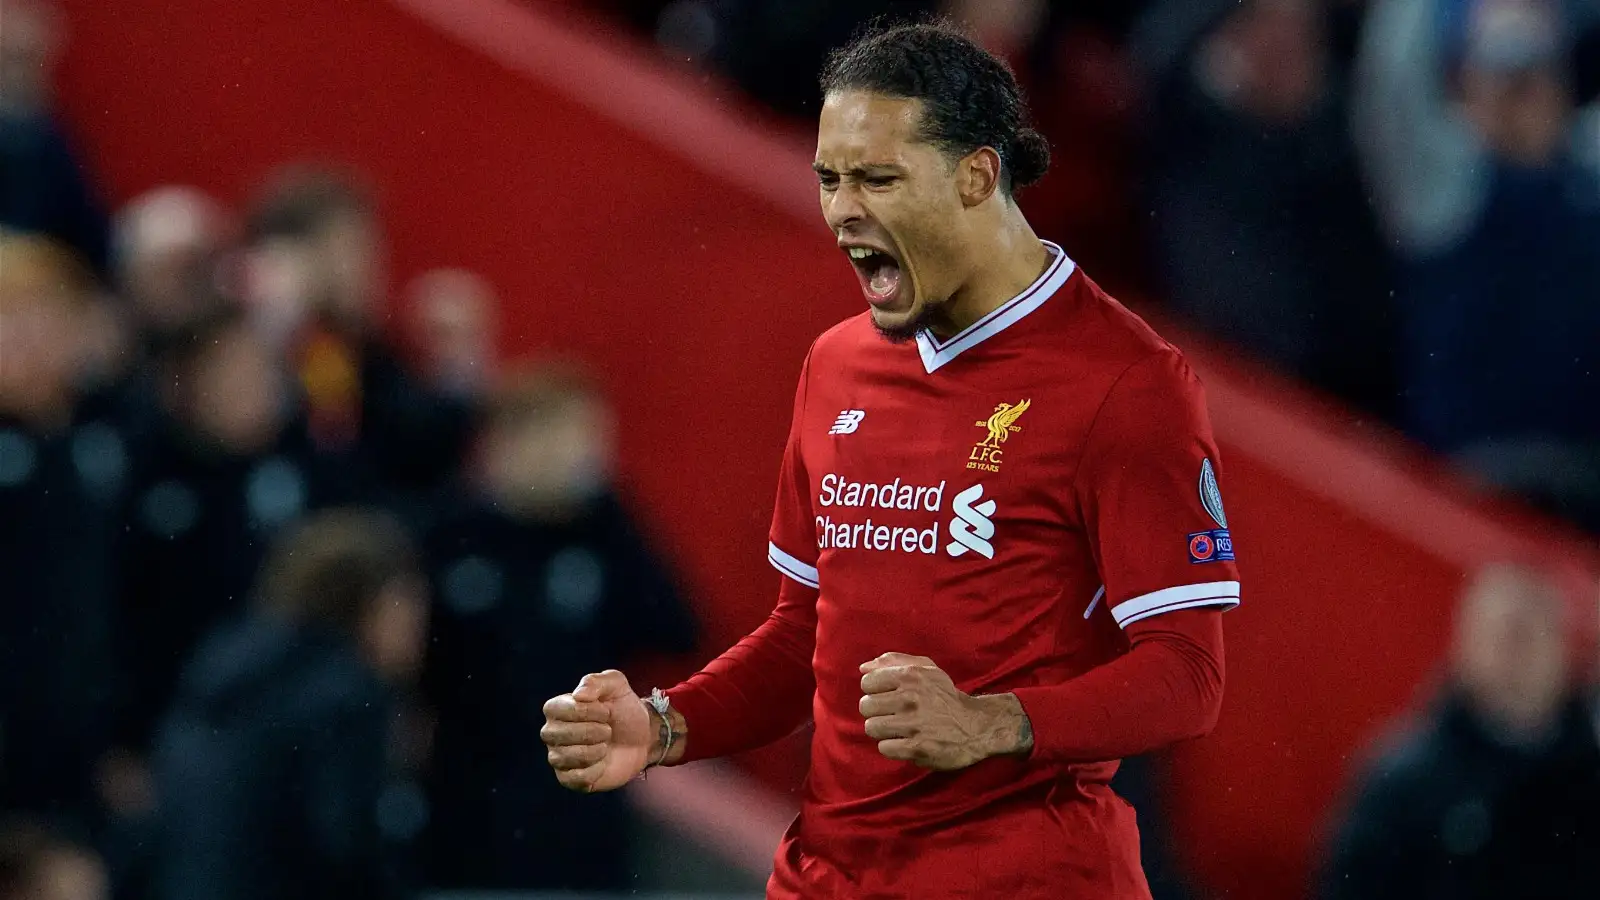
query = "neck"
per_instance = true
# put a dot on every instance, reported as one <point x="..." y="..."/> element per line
<point x="1008" y="262"/>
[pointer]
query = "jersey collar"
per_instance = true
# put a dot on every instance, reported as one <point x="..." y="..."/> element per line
<point x="936" y="353"/>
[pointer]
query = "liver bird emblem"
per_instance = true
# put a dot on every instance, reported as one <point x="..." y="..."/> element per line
<point x="1003" y="422"/>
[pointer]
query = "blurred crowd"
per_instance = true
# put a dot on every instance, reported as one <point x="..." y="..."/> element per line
<point x="290" y="559"/>
<point x="289" y="562"/>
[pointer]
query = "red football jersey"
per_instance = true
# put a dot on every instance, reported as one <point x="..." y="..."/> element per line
<point x="1003" y="502"/>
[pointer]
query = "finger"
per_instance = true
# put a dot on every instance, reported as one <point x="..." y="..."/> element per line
<point x="883" y="728"/>
<point x="568" y="708"/>
<point x="887" y="704"/>
<point x="568" y="734"/>
<point x="903" y="749"/>
<point x="582" y="756"/>
<point x="582" y="780"/>
<point x="602" y="686"/>
<point x="896" y="659"/>
<point x="881" y="681"/>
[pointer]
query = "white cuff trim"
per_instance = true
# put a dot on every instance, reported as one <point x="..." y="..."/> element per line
<point x="1184" y="596"/>
<point x="794" y="568"/>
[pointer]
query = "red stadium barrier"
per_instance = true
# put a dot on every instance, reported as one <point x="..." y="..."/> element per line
<point x="639" y="216"/>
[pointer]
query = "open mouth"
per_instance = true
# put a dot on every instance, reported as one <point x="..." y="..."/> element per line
<point x="879" y="273"/>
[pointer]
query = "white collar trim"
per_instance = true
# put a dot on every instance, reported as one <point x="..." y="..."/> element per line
<point x="936" y="353"/>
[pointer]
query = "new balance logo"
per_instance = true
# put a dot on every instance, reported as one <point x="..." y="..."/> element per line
<point x="973" y="525"/>
<point x="847" y="423"/>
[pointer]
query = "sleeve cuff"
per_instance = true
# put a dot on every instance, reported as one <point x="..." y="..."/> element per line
<point x="1224" y="594"/>
<point x="802" y="572"/>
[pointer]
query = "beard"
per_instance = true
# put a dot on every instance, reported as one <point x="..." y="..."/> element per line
<point x="906" y="330"/>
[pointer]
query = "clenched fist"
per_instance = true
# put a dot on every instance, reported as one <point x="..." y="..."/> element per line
<point x="915" y="713"/>
<point x="600" y="736"/>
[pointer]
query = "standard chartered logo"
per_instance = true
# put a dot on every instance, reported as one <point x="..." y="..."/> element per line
<point x="973" y="525"/>
<point x="970" y="530"/>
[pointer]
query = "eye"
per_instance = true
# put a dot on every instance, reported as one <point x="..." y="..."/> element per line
<point x="880" y="181"/>
<point x="828" y="180"/>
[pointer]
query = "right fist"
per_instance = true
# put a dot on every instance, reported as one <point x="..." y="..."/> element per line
<point x="599" y="736"/>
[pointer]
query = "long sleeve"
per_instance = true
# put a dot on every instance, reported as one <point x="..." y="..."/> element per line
<point x="1166" y="688"/>
<point x="758" y="691"/>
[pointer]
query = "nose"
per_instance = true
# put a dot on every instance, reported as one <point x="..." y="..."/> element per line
<point x="843" y="208"/>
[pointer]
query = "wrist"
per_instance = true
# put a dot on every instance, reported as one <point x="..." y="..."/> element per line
<point x="659" y="748"/>
<point x="1006" y="731"/>
<point x="667" y="744"/>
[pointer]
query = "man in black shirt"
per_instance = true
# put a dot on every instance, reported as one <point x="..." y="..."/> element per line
<point x="540" y="575"/>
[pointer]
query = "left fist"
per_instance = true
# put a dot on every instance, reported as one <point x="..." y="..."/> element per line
<point x="915" y="713"/>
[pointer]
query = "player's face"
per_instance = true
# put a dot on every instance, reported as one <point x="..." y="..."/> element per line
<point x="892" y="202"/>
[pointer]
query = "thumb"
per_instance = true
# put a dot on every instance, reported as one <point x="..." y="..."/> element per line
<point x="888" y="660"/>
<point x="599" y="687"/>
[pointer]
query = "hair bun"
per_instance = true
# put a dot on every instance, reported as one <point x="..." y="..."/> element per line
<point x="1030" y="157"/>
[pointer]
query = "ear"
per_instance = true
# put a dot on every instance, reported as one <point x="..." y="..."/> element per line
<point x="978" y="175"/>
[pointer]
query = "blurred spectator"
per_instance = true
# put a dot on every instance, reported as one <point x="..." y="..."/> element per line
<point x="37" y="864"/>
<point x="1259" y="215"/>
<point x="42" y="185"/>
<point x="62" y="478"/>
<point x="230" y="467"/>
<point x="452" y="318"/>
<point x="540" y="576"/>
<point x="1083" y="95"/>
<point x="1488" y="175"/>
<point x="1006" y="28"/>
<point x="775" y="48"/>
<point x="1497" y="794"/>
<point x="166" y="257"/>
<point x="167" y="253"/>
<point x="1141" y="780"/>
<point x="318" y="285"/>
<point x="275" y="767"/>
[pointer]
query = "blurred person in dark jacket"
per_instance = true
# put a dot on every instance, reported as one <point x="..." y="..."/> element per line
<point x="276" y="766"/>
<point x="42" y="184"/>
<point x="318" y="286"/>
<point x="1487" y="172"/>
<point x="773" y="48"/>
<point x="539" y="574"/>
<point x="168" y="254"/>
<point x="37" y="863"/>
<point x="1496" y="793"/>
<point x="168" y="249"/>
<point x="231" y="466"/>
<point x="62" y="479"/>
<point x="452" y="321"/>
<point x="1258" y="212"/>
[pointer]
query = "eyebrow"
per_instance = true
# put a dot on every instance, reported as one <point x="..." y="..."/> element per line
<point x="858" y="171"/>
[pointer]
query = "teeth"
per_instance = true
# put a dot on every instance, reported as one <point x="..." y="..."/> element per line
<point x="860" y="252"/>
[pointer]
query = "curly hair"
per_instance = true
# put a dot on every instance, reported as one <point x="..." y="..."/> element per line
<point x="970" y="98"/>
